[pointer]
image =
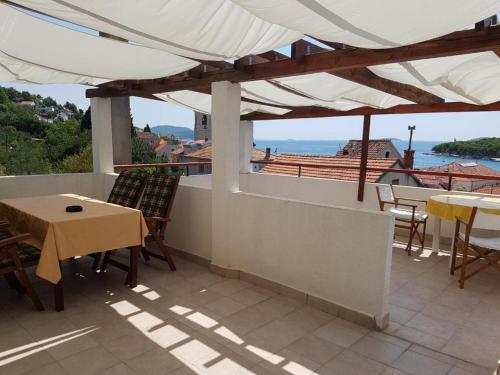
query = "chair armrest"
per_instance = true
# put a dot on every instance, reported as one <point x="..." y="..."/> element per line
<point x="156" y="219"/>
<point x="462" y="221"/>
<point x="413" y="200"/>
<point x="413" y="206"/>
<point x="14" y="239"/>
<point x="4" y="224"/>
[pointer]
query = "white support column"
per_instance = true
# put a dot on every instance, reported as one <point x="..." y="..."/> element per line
<point x="102" y="135"/>
<point x="246" y="143"/>
<point x="225" y="167"/>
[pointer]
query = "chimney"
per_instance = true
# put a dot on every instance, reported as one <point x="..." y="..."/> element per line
<point x="408" y="159"/>
<point x="268" y="153"/>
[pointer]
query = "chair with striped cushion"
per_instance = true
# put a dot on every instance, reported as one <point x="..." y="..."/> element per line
<point x="156" y="205"/>
<point x="127" y="188"/>
<point x="15" y="256"/>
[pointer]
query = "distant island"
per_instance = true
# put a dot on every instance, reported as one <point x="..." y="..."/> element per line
<point x="178" y="132"/>
<point x="475" y="148"/>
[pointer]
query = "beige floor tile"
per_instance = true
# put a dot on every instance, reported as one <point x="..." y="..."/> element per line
<point x="275" y="336"/>
<point x="251" y="296"/>
<point x="129" y="346"/>
<point x="341" y="332"/>
<point x="119" y="369"/>
<point x="277" y="306"/>
<point x="92" y="361"/>
<point x="419" y="364"/>
<point x="224" y="306"/>
<point x="157" y="361"/>
<point x="433" y="354"/>
<point x="434" y="326"/>
<point x="24" y="361"/>
<point x="393" y="371"/>
<point x="475" y="348"/>
<point x="390" y="339"/>
<point x="315" y="349"/>
<point x="378" y="350"/>
<point x="246" y="320"/>
<point x="421" y="338"/>
<point x="50" y="369"/>
<point x="400" y="314"/>
<point x="308" y="318"/>
<point x="229" y="286"/>
<point x="350" y="363"/>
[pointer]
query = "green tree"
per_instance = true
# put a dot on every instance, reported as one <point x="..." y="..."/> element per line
<point x="71" y="107"/>
<point x="143" y="153"/>
<point x="64" y="139"/>
<point x="78" y="163"/>
<point x="86" y="122"/>
<point x="49" y="102"/>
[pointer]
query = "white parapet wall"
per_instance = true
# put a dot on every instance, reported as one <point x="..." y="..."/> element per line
<point x="87" y="184"/>
<point x="341" y="255"/>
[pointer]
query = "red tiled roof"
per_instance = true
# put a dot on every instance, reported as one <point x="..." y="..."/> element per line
<point x="458" y="183"/>
<point x="206" y="153"/>
<point x="338" y="174"/>
<point x="375" y="148"/>
<point x="178" y="150"/>
<point x="488" y="189"/>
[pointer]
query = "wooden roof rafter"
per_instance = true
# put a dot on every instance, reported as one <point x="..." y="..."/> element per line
<point x="335" y="61"/>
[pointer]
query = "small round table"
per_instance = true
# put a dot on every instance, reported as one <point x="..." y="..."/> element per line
<point x="449" y="206"/>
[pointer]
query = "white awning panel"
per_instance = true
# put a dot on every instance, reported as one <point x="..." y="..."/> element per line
<point x="373" y="24"/>
<point x="329" y="88"/>
<point x="201" y="29"/>
<point x="36" y="51"/>
<point x="472" y="78"/>
<point x="200" y="102"/>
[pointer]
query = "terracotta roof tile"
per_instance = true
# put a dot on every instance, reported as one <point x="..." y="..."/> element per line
<point x="206" y="153"/>
<point x="488" y="189"/>
<point x="375" y="148"/>
<point x="457" y="182"/>
<point x="338" y="174"/>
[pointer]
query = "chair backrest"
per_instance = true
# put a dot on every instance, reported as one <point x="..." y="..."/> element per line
<point x="385" y="193"/>
<point x="127" y="188"/>
<point x="159" y="194"/>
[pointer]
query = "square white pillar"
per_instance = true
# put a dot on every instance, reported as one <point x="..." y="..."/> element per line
<point x="102" y="135"/>
<point x="226" y="99"/>
<point x="246" y="146"/>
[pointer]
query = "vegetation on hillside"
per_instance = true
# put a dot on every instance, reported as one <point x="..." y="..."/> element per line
<point x="476" y="148"/>
<point x="29" y="145"/>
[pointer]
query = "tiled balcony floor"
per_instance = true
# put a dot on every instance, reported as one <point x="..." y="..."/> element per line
<point x="195" y="322"/>
<point x="428" y="308"/>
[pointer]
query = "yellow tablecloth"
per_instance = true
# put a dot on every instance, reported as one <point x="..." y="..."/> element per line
<point x="60" y="235"/>
<point x="449" y="206"/>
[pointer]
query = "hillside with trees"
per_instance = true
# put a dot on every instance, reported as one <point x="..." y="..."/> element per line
<point x="40" y="136"/>
<point x="475" y="148"/>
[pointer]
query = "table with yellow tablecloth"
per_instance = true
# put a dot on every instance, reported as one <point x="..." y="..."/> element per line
<point x="450" y="206"/>
<point x="59" y="235"/>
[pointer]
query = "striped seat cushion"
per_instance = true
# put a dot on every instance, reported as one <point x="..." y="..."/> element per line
<point x="26" y="253"/>
<point x="157" y="194"/>
<point x="127" y="188"/>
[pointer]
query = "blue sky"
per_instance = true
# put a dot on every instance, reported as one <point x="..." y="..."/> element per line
<point x="442" y="126"/>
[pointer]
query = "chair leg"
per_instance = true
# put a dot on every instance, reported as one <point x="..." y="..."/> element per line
<point x="97" y="258"/>
<point x="166" y="254"/>
<point x="29" y="289"/>
<point x="423" y="234"/>
<point x="410" y="240"/>
<point x="14" y="282"/>
<point x="454" y="257"/>
<point x="147" y="258"/>
<point x="463" y="266"/>
<point x="105" y="261"/>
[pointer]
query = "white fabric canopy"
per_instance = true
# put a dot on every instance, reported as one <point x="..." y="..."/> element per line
<point x="373" y="24"/>
<point x="200" y="102"/>
<point x="201" y="29"/>
<point x="327" y="87"/>
<point x="36" y="51"/>
<point x="472" y="78"/>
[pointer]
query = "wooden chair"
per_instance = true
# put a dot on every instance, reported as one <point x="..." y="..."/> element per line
<point x="407" y="215"/>
<point x="126" y="192"/>
<point x="474" y="246"/>
<point x="15" y="256"/>
<point x="156" y="204"/>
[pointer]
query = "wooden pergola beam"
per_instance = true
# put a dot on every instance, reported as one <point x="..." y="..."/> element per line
<point x="316" y="112"/>
<point x="461" y="42"/>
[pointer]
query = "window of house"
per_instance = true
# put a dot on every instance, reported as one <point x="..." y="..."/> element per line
<point x="387" y="154"/>
<point x="201" y="169"/>
<point x="395" y="181"/>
